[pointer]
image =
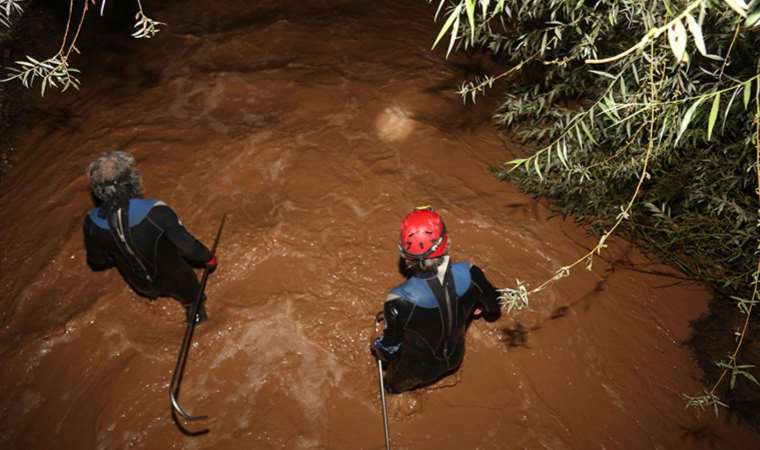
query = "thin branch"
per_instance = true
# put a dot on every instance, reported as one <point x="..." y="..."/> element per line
<point x="68" y="24"/>
<point x="651" y="35"/>
<point x="730" y="47"/>
<point x="79" y="29"/>
<point x="472" y="89"/>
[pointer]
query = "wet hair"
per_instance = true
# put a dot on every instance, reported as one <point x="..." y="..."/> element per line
<point x="424" y="265"/>
<point x="114" y="180"/>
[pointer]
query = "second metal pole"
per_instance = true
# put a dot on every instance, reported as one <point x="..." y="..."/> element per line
<point x="385" y="410"/>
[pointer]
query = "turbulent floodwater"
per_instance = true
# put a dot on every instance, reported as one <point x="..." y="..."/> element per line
<point x="316" y="125"/>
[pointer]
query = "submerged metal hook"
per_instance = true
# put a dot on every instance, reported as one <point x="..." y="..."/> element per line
<point x="184" y="349"/>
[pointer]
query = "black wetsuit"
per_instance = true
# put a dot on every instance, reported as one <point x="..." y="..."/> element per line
<point x="425" y="324"/>
<point x="150" y="247"/>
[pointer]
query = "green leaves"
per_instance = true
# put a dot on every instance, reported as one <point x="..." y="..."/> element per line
<point x="695" y="28"/>
<point x="714" y="109"/>
<point x="52" y="72"/>
<point x="145" y="27"/>
<point x="537" y="167"/>
<point x="737" y="369"/>
<point x="745" y="306"/>
<point x="687" y="118"/>
<point x="752" y="19"/>
<point x="713" y="115"/>
<point x="516" y="163"/>
<point x="677" y="39"/>
<point x="696" y="31"/>
<point x="740" y="6"/>
<point x="515" y="298"/>
<point x="640" y="123"/>
<point x="452" y="23"/>
<point x="452" y="20"/>
<point x="603" y="73"/>
<point x="747" y="92"/>
<point x="470" y="6"/>
<point x="7" y="9"/>
<point x="708" y="400"/>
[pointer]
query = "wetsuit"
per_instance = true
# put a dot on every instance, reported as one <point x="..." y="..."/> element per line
<point x="150" y="247"/>
<point x="425" y="322"/>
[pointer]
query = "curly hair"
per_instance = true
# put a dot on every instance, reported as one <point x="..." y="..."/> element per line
<point x="114" y="180"/>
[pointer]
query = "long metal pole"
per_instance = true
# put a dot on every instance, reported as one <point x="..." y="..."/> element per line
<point x="385" y="409"/>
<point x="184" y="349"/>
<point x="379" y="317"/>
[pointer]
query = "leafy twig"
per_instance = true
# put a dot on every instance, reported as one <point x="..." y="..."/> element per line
<point x="702" y="402"/>
<point x="53" y="72"/>
<point x="7" y="9"/>
<point x="472" y="89"/>
<point x="146" y="27"/>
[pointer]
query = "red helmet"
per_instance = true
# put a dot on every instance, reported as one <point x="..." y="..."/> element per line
<point x="423" y="235"/>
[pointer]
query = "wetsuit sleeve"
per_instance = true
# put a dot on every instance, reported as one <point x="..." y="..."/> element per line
<point x="97" y="258"/>
<point x="189" y="247"/>
<point x="396" y="312"/>
<point x="488" y="295"/>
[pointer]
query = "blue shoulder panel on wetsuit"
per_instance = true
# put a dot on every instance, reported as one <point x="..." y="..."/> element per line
<point x="461" y="274"/>
<point x="138" y="209"/>
<point x="97" y="220"/>
<point x="417" y="291"/>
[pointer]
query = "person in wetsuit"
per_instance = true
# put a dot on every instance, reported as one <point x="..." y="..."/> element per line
<point x="143" y="238"/>
<point x="427" y="315"/>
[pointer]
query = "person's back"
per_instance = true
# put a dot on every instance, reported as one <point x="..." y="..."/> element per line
<point x="426" y="316"/>
<point x="143" y="238"/>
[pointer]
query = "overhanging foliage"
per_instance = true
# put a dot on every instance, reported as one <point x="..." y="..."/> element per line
<point x="645" y="119"/>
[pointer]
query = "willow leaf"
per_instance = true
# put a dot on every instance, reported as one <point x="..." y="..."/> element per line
<point x="587" y="131"/>
<point x="740" y="6"/>
<point x="713" y="115"/>
<point x="696" y="32"/>
<point x="454" y="34"/>
<point x="728" y="107"/>
<point x="753" y="19"/>
<point x="470" y="6"/>
<point x="747" y="92"/>
<point x="687" y="118"/>
<point x="677" y="39"/>
<point x="516" y="163"/>
<point x="449" y="21"/>
<point x="603" y="73"/>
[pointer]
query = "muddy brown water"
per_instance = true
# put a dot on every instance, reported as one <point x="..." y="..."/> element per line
<point x="316" y="125"/>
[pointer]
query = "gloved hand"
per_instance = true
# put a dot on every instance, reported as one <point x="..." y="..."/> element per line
<point x="375" y="348"/>
<point x="379" y="327"/>
<point x="211" y="264"/>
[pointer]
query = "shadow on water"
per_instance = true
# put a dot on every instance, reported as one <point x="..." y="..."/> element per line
<point x="516" y="336"/>
<point x="708" y="344"/>
<point x="701" y="434"/>
<point x="559" y="312"/>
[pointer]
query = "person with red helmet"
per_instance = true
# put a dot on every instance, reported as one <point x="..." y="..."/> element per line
<point x="427" y="315"/>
